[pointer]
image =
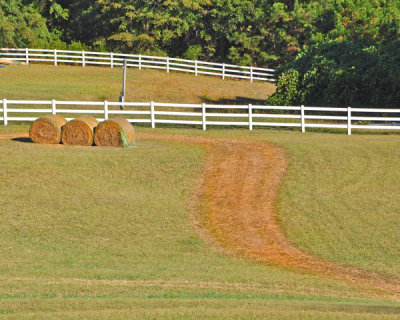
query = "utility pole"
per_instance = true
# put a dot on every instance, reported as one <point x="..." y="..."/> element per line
<point x="122" y="96"/>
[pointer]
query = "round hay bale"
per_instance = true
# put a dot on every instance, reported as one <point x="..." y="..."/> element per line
<point x="6" y="62"/>
<point x="117" y="132"/>
<point x="47" y="129"/>
<point x="79" y="131"/>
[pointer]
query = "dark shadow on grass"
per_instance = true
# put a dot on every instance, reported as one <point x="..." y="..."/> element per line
<point x="22" y="139"/>
<point x="237" y="101"/>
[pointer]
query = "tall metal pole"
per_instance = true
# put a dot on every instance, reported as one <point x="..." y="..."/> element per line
<point x="122" y="96"/>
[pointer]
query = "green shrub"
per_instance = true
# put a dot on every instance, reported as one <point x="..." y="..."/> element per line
<point x="287" y="89"/>
<point x="193" y="52"/>
<point x="343" y="73"/>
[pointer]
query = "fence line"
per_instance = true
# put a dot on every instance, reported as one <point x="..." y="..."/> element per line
<point x="112" y="60"/>
<point x="210" y="115"/>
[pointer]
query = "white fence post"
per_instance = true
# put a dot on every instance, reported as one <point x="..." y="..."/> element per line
<point x="167" y="64"/>
<point x="250" y="117"/>
<point x="105" y="110"/>
<point x="204" y="110"/>
<point x="349" y="121"/>
<point x="223" y="71"/>
<point x="5" y="120"/>
<point x="140" y="62"/>
<point x="153" y="120"/>
<point x="303" y="120"/>
<point x="83" y="59"/>
<point x="27" y="55"/>
<point x="112" y="59"/>
<point x="195" y="68"/>
<point x="251" y="73"/>
<point x="53" y="106"/>
<point x="55" y="57"/>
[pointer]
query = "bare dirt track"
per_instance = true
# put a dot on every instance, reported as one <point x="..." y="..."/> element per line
<point x="238" y="194"/>
<point x="13" y="135"/>
<point x="238" y="201"/>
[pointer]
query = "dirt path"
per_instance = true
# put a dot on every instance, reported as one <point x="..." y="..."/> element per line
<point x="240" y="185"/>
<point x="238" y="192"/>
<point x="13" y="135"/>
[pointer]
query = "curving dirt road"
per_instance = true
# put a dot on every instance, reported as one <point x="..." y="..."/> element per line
<point x="238" y="192"/>
<point x="239" y="188"/>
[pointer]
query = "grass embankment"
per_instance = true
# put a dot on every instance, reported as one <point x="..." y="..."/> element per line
<point x="45" y="82"/>
<point x="105" y="233"/>
<point x="72" y="83"/>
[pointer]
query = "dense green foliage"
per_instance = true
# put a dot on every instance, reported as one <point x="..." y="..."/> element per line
<point x="257" y="32"/>
<point x="346" y="50"/>
<point x="342" y="73"/>
<point x="22" y="25"/>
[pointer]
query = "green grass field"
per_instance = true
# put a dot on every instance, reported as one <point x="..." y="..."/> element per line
<point x="72" y="83"/>
<point x="105" y="233"/>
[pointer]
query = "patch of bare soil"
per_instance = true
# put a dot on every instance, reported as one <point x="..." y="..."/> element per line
<point x="13" y="135"/>
<point x="239" y="188"/>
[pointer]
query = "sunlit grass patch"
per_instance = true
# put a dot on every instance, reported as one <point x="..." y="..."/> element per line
<point x="44" y="82"/>
<point x="108" y="232"/>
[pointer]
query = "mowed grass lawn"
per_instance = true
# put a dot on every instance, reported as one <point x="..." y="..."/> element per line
<point x="44" y="82"/>
<point x="109" y="233"/>
<point x="340" y="199"/>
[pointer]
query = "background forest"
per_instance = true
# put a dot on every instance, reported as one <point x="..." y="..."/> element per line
<point x="258" y="32"/>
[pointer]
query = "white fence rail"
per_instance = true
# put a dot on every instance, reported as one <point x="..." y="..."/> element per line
<point x="85" y="58"/>
<point x="205" y="115"/>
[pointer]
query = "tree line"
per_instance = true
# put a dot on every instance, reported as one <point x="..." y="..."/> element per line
<point x="246" y="32"/>
<point x="328" y="52"/>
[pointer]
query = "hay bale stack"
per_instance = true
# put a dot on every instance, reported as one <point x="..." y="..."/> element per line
<point x="79" y="131"/>
<point x="47" y="129"/>
<point x="115" y="132"/>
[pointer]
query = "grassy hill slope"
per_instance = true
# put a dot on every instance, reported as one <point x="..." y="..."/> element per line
<point x="97" y="84"/>
<point x="109" y="233"/>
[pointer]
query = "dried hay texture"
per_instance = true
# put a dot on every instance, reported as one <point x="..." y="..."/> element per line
<point x="117" y="132"/>
<point x="79" y="131"/>
<point x="47" y="129"/>
<point x="6" y="62"/>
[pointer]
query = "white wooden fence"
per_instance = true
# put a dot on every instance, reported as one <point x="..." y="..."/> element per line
<point x="205" y="115"/>
<point x="85" y="58"/>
